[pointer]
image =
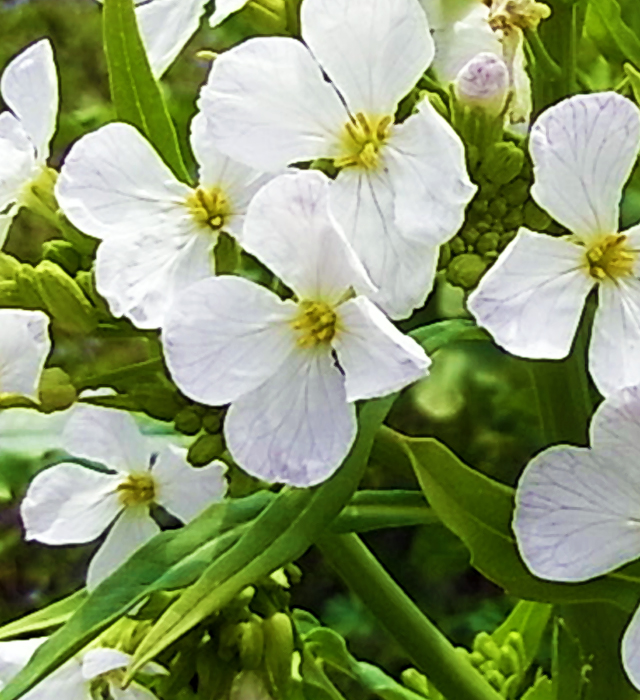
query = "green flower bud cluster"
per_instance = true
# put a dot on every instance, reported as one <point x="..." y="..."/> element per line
<point x="503" y="666"/>
<point x="502" y="205"/>
<point x="49" y="288"/>
<point x="194" y="419"/>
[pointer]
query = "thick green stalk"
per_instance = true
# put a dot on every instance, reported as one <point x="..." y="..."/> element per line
<point x="425" y="645"/>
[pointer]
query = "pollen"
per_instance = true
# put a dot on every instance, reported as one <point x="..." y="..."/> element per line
<point x="209" y="207"/>
<point x="137" y="490"/>
<point x="610" y="258"/>
<point x="362" y="141"/>
<point x="316" y="324"/>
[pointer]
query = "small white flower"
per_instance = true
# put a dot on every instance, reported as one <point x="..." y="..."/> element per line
<point x="24" y="347"/>
<point x="80" y="678"/>
<point x="29" y="88"/>
<point x="402" y="188"/>
<point x="578" y="509"/>
<point x="531" y="301"/>
<point x="158" y="233"/>
<point x="68" y="503"/>
<point x="292" y="369"/>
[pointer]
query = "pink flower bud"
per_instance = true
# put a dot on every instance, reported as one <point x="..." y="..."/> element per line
<point x="483" y="82"/>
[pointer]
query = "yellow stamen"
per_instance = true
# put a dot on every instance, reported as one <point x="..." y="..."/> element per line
<point x="137" y="490"/>
<point x="316" y="323"/>
<point x="209" y="207"/>
<point x="610" y="258"/>
<point x="362" y="141"/>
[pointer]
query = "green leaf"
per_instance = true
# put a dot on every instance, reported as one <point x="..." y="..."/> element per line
<point x="136" y="94"/>
<point x="479" y="510"/>
<point x="634" y="80"/>
<point x="380" y="510"/>
<point x="437" y="335"/>
<point x="568" y="664"/>
<point x="281" y="534"/>
<point x="542" y="689"/>
<point x="53" y="615"/>
<point x="610" y="20"/>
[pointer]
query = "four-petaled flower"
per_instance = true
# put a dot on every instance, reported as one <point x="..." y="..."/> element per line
<point x="29" y="88"/>
<point x="84" y="677"/>
<point x="402" y="188"/>
<point x="577" y="511"/>
<point x="158" y="233"/>
<point x="24" y="347"/>
<point x="69" y="503"/>
<point x="531" y="301"/>
<point x="291" y="369"/>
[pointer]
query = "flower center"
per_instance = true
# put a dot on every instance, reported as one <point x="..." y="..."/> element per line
<point x="610" y="258"/>
<point x="137" y="490"/>
<point x="316" y="323"/>
<point x="362" y="139"/>
<point x="209" y="207"/>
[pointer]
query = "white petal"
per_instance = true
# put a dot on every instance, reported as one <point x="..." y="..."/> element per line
<point x="614" y="352"/>
<point x="24" y="348"/>
<point x="107" y="436"/>
<point x="531" y="300"/>
<point x="14" y="656"/>
<point x="225" y="8"/>
<point x="114" y="182"/>
<point x="459" y="42"/>
<point x="428" y="173"/>
<point x="377" y="359"/>
<point x="66" y="682"/>
<point x="289" y="229"/>
<point x="224" y="337"/>
<point x="616" y="425"/>
<point x="166" y="26"/>
<point x="583" y="150"/>
<point x="68" y="504"/>
<point x="141" y="274"/>
<point x="401" y="269"/>
<point x="131" y="530"/>
<point x="238" y="182"/>
<point x="373" y="50"/>
<point x="268" y="104"/>
<point x="577" y="514"/>
<point x="17" y="159"/>
<point x="29" y="88"/>
<point x="297" y="428"/>
<point x="183" y="490"/>
<point x="631" y="650"/>
<point x="95" y="662"/>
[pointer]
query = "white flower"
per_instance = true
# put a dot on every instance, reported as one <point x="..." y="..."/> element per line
<point x="483" y="83"/>
<point x="578" y="509"/>
<point x="224" y="9"/>
<point x="158" y="233"/>
<point x="24" y="347"/>
<point x="531" y="301"/>
<point x="292" y="369"/>
<point x="69" y="503"/>
<point x="29" y="88"/>
<point x="402" y="188"/>
<point x="80" y="678"/>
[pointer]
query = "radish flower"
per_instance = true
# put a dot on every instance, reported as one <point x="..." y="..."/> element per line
<point x="291" y="369"/>
<point x="577" y="511"/>
<point x="402" y="188"/>
<point x="70" y="504"/>
<point x="29" y="88"/>
<point x="158" y="233"/>
<point x="531" y="300"/>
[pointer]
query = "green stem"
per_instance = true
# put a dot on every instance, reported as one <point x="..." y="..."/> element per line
<point x="541" y="54"/>
<point x="425" y="645"/>
<point x="121" y="374"/>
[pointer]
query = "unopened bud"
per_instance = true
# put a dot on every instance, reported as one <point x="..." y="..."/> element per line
<point x="466" y="270"/>
<point x="56" y="392"/>
<point x="415" y="681"/>
<point x="63" y="254"/>
<point x="488" y="243"/>
<point x="486" y="646"/>
<point x="157" y="400"/>
<point x="503" y="162"/>
<point x="212" y="421"/>
<point x="483" y="83"/>
<point x="248" y="685"/>
<point x="188" y="421"/>
<point x="251" y="643"/>
<point x="9" y="266"/>
<point x="278" y="652"/>
<point x="205" y="449"/>
<point x="535" y="218"/>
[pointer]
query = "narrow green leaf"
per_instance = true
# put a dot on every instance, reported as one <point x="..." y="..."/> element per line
<point x="136" y="94"/>
<point x="53" y="615"/>
<point x="610" y="19"/>
<point x="437" y="335"/>
<point x="479" y="510"/>
<point x="281" y="534"/>
<point x="542" y="689"/>
<point x="568" y="664"/>
<point x="634" y="79"/>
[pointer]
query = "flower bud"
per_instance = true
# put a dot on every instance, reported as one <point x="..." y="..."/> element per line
<point x="483" y="83"/>
<point x="278" y="652"/>
<point x="466" y="270"/>
<point x="251" y="643"/>
<point x="205" y="449"/>
<point x="248" y="685"/>
<point x="56" y="392"/>
<point x="188" y="421"/>
<point x="535" y="218"/>
<point x="503" y="162"/>
<point x="63" y="254"/>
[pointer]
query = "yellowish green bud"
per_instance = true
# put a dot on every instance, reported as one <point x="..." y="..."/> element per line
<point x="466" y="270"/>
<point x="503" y="162"/>
<point x="415" y="681"/>
<point x="9" y="267"/>
<point x="535" y="218"/>
<point x="248" y="685"/>
<point x="188" y="421"/>
<point x="205" y="449"/>
<point x="278" y="652"/>
<point x="212" y="421"/>
<point x="56" y="392"/>
<point x="486" y="646"/>
<point x="457" y="246"/>
<point x="251" y="643"/>
<point x="27" y="288"/>
<point x="483" y="83"/>
<point x="488" y="243"/>
<point x="62" y="253"/>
